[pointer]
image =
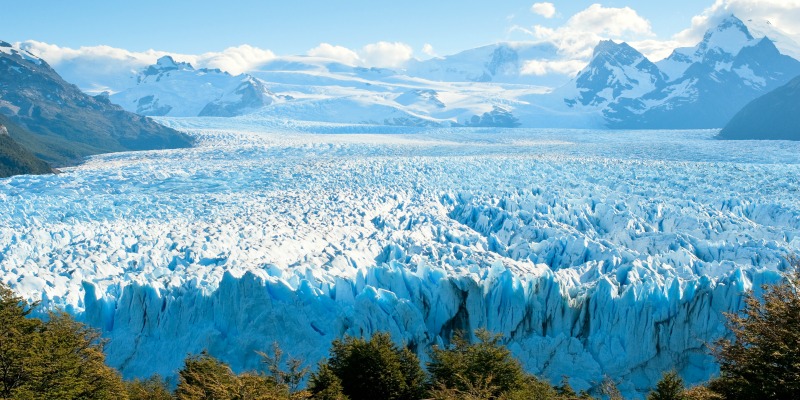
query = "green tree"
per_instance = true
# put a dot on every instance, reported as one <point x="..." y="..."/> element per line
<point x="325" y="385"/>
<point x="670" y="387"/>
<point x="763" y="360"/>
<point x="16" y="330"/>
<point x="66" y="361"/>
<point x="486" y="364"/>
<point x="532" y="389"/>
<point x="566" y="392"/>
<point x="253" y="386"/>
<point x="203" y="377"/>
<point x="375" y="369"/>
<point x="152" y="388"/>
<point x="701" y="393"/>
<point x="289" y="376"/>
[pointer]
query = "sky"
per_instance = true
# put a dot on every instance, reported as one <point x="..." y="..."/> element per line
<point x="293" y="27"/>
<point x="234" y="35"/>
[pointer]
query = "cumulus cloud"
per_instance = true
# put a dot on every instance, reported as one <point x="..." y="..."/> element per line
<point x="380" y="54"/>
<point x="234" y="60"/>
<point x="428" y="50"/>
<point x="656" y="50"/>
<point x="782" y="14"/>
<point x="338" y="53"/>
<point x="56" y="55"/>
<point x="545" y="67"/>
<point x="547" y="10"/>
<point x="386" y="54"/>
<point x="580" y="34"/>
<point x="576" y="39"/>
<point x="610" y="21"/>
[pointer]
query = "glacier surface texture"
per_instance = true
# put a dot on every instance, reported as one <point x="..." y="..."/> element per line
<point x="596" y="253"/>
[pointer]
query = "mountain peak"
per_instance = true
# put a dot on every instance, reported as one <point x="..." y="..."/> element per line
<point x="615" y="50"/>
<point x="616" y="69"/>
<point x="729" y="36"/>
<point x="12" y="50"/>
<point x="732" y="22"/>
<point x="167" y="63"/>
<point x="604" y="46"/>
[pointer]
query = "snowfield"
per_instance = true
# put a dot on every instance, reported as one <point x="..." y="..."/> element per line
<point x="597" y="253"/>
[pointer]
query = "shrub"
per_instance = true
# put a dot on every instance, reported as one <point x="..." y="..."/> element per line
<point x="153" y="388"/>
<point x="670" y="387"/>
<point x="371" y="369"/>
<point x="763" y="360"/>
<point x="486" y="365"/>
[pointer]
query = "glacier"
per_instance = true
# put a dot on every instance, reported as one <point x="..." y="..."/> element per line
<point x="595" y="253"/>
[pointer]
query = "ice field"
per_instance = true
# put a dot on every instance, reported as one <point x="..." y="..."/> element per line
<point x="597" y="253"/>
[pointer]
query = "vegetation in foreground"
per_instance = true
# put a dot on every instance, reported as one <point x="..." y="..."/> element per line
<point x="59" y="358"/>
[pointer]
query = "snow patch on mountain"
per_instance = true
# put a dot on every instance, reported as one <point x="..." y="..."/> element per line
<point x="170" y="88"/>
<point x="16" y="51"/>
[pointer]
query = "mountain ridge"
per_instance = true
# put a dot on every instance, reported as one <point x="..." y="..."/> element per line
<point x="64" y="124"/>
<point x="775" y="115"/>
<point x="14" y="158"/>
<point x="619" y="88"/>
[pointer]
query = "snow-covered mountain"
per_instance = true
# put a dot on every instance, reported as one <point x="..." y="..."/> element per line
<point x="709" y="83"/>
<point x="695" y="87"/>
<point x="61" y="124"/>
<point x="502" y="62"/>
<point x="616" y="70"/>
<point x="176" y="89"/>
<point x="325" y="90"/>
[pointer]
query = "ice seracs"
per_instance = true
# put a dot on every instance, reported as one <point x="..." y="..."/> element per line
<point x="595" y="253"/>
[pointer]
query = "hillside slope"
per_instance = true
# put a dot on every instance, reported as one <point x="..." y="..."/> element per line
<point x="15" y="159"/>
<point x="66" y="124"/>
<point x="775" y="115"/>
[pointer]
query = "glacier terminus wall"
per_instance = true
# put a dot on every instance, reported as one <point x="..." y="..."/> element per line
<point x="595" y="253"/>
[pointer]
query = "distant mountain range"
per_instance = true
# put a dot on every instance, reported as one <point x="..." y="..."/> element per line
<point x="697" y="87"/>
<point x="60" y="124"/>
<point x="704" y="86"/>
<point x="171" y="88"/>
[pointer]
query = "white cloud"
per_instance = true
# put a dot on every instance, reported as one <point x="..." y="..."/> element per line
<point x="656" y="50"/>
<point x="782" y="14"/>
<point x="544" y="67"/>
<point x="547" y="10"/>
<point x="386" y="54"/>
<point x="380" y="54"/>
<point x="580" y="34"/>
<point x="234" y="60"/>
<point x="615" y="22"/>
<point x="428" y="50"/>
<point x="339" y="53"/>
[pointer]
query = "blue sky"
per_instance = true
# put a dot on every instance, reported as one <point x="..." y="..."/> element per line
<point x="239" y="35"/>
<point x="293" y="27"/>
